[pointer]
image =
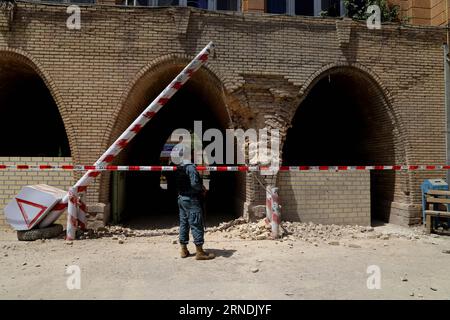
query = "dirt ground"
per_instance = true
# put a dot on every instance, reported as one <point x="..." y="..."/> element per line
<point x="148" y="267"/>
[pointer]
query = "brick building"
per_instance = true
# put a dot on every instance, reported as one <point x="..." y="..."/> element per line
<point x="341" y="94"/>
<point x="423" y="12"/>
<point x="417" y="12"/>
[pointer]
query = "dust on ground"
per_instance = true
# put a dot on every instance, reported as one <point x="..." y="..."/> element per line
<point x="310" y="262"/>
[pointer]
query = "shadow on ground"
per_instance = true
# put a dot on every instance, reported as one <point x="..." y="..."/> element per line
<point x="167" y="221"/>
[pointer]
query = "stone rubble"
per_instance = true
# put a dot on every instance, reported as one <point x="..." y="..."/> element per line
<point x="312" y="233"/>
<point x="118" y="232"/>
<point x="308" y="232"/>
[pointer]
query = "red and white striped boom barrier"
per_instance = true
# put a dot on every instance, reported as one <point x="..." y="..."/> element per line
<point x="273" y="210"/>
<point x="124" y="139"/>
<point x="99" y="168"/>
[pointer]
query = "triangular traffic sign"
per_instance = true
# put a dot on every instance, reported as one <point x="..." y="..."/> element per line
<point x="30" y="211"/>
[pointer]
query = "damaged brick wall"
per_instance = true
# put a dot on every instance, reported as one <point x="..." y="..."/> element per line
<point x="265" y="67"/>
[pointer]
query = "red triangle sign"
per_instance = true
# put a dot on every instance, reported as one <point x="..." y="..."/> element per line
<point x="23" y="204"/>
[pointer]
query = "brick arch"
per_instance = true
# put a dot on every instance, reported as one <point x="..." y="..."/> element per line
<point x="384" y="139"/>
<point x="371" y="78"/>
<point x="155" y="67"/>
<point x="28" y="60"/>
<point x="161" y="70"/>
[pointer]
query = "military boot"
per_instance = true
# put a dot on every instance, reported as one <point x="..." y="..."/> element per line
<point x="184" y="251"/>
<point x="202" y="255"/>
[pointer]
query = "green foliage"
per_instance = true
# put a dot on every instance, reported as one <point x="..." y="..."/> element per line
<point x="357" y="9"/>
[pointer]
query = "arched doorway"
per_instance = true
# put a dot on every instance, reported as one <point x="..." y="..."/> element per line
<point x="148" y="199"/>
<point x="345" y="119"/>
<point x="31" y="125"/>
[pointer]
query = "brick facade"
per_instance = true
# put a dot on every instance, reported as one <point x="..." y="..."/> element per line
<point x="266" y="65"/>
<point x="12" y="181"/>
<point x="325" y="197"/>
<point x="423" y="12"/>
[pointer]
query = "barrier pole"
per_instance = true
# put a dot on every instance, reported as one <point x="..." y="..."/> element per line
<point x="273" y="212"/>
<point x="276" y="214"/>
<point x="121" y="142"/>
<point x="72" y="214"/>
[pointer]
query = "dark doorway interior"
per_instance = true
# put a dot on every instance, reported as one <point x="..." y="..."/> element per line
<point x="148" y="203"/>
<point x="343" y="121"/>
<point x="30" y="121"/>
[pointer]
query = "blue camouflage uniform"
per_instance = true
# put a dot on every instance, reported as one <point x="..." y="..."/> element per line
<point x="190" y="206"/>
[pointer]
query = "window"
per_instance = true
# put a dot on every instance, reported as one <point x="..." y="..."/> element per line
<point x="72" y="1"/>
<point x="155" y="3"/>
<point x="276" y="6"/>
<point x="335" y="8"/>
<point x="141" y="2"/>
<point x="304" y="8"/>
<point x="229" y="5"/>
<point x="166" y="3"/>
<point x="198" y="3"/>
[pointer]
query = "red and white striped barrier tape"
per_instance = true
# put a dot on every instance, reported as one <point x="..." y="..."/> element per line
<point x="98" y="168"/>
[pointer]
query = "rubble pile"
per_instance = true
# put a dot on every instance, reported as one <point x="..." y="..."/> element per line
<point x="119" y="232"/>
<point x="308" y="232"/>
<point x="241" y="229"/>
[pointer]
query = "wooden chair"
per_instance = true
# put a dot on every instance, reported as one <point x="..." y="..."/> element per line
<point x="436" y="207"/>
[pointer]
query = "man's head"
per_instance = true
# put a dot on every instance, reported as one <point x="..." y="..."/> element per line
<point x="183" y="153"/>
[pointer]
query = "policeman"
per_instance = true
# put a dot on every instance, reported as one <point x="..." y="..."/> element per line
<point x="190" y="191"/>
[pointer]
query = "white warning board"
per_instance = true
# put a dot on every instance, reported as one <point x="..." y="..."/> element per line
<point x="31" y="205"/>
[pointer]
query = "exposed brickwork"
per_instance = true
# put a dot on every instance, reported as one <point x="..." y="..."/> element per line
<point x="331" y="197"/>
<point x="265" y="66"/>
<point x="422" y="12"/>
<point x="12" y="181"/>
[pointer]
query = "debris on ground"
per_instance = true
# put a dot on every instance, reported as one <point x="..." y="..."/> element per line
<point x="116" y="232"/>
<point x="308" y="232"/>
<point x="315" y="234"/>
